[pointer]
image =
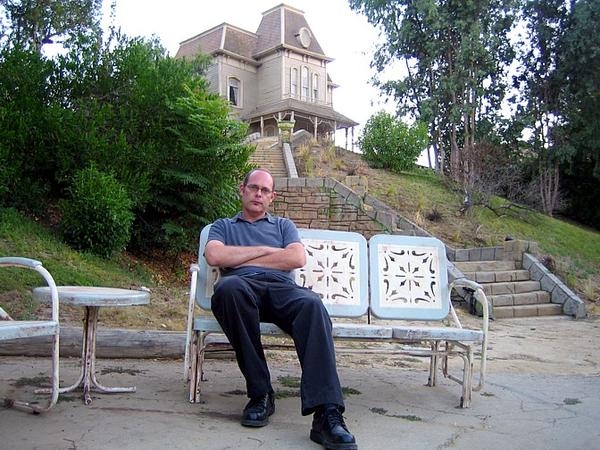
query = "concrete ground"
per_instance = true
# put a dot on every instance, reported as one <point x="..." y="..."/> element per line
<point x="542" y="392"/>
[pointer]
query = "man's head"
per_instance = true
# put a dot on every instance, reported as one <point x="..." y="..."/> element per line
<point x="257" y="193"/>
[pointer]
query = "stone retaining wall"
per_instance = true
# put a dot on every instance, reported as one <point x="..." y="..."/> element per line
<point x="328" y="204"/>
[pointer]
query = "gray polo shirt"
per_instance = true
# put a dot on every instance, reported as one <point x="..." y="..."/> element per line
<point x="271" y="230"/>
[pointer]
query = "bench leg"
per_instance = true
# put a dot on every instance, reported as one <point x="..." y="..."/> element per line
<point x="445" y="358"/>
<point x="437" y="352"/>
<point x="193" y="369"/>
<point x="197" y="349"/>
<point x="466" y="381"/>
<point x="467" y="384"/>
<point x="433" y="364"/>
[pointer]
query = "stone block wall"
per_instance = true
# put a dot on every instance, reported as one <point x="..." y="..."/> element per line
<point x="515" y="249"/>
<point x="328" y="204"/>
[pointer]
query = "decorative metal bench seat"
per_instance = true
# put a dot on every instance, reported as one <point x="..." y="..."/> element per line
<point x="376" y="286"/>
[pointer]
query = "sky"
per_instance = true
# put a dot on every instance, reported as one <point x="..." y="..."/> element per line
<point x="343" y="35"/>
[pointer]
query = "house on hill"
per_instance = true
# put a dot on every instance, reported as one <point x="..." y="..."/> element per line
<point x="276" y="74"/>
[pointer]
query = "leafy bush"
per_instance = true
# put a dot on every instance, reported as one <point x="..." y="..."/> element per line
<point x="24" y="129"/>
<point x="196" y="180"/>
<point x="388" y="143"/>
<point x="151" y="121"/>
<point x="98" y="216"/>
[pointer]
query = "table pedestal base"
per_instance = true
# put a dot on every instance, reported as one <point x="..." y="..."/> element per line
<point x="87" y="378"/>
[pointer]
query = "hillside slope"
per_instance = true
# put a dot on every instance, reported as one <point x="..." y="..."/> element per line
<point x="572" y="252"/>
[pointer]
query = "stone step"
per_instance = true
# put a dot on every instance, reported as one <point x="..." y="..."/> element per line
<point x="498" y="276"/>
<point x="513" y="287"/>
<point x="546" y="309"/>
<point x="510" y="291"/>
<point x="485" y="266"/>
<point x="269" y="157"/>
<point x="525" y="298"/>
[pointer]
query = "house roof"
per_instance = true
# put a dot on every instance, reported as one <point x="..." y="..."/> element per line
<point x="280" y="27"/>
<point x="224" y="38"/>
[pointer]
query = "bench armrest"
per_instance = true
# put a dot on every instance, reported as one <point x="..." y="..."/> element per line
<point x="28" y="263"/>
<point x="482" y="299"/>
<point x="19" y="261"/>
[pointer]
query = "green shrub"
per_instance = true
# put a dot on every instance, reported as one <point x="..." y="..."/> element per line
<point x="97" y="217"/>
<point x="388" y="143"/>
<point x="25" y="131"/>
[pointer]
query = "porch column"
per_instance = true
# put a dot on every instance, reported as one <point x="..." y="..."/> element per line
<point x="346" y="129"/>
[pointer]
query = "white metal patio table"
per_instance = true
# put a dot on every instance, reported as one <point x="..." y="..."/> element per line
<point x="93" y="298"/>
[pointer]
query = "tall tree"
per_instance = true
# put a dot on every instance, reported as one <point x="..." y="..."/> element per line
<point x="455" y="54"/>
<point x="578" y="71"/>
<point x="34" y="23"/>
<point x="539" y="85"/>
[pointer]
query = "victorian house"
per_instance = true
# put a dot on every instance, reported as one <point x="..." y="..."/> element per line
<point x="276" y="74"/>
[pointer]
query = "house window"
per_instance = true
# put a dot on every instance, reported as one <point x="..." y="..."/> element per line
<point x="234" y="91"/>
<point x="305" y="83"/>
<point x="294" y="82"/>
<point x="315" y="87"/>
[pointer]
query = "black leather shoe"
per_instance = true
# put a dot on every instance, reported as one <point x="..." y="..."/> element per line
<point x="258" y="410"/>
<point x="329" y="430"/>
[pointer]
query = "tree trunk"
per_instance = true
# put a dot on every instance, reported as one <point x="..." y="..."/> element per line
<point x="549" y="183"/>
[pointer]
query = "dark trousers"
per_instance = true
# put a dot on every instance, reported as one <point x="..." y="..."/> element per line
<point x="241" y="303"/>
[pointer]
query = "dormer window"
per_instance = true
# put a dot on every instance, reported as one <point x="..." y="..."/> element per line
<point x="304" y="36"/>
<point x="233" y="89"/>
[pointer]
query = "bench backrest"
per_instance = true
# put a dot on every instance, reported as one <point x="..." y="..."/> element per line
<point x="409" y="277"/>
<point x="336" y="269"/>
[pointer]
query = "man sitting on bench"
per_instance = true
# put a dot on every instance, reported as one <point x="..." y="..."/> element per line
<point x="256" y="253"/>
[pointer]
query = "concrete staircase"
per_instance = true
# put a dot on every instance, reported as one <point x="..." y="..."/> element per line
<point x="268" y="155"/>
<point x="510" y="289"/>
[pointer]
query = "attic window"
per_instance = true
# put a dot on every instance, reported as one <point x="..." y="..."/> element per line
<point x="304" y="36"/>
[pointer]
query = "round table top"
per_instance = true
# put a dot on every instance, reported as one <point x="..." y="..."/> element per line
<point x="94" y="296"/>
